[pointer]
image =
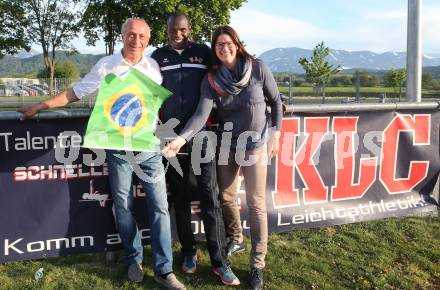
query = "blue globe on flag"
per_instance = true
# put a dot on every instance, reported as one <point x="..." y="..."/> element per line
<point x="126" y="111"/>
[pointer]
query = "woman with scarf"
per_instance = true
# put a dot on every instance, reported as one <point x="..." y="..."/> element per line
<point x="242" y="87"/>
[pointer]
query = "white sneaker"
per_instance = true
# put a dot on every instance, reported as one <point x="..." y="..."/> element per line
<point x="170" y="282"/>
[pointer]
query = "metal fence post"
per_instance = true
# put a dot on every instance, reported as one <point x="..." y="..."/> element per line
<point x="414" y="52"/>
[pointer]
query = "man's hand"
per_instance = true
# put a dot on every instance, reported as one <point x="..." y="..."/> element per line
<point x="66" y="97"/>
<point x="29" y="111"/>
<point x="173" y="147"/>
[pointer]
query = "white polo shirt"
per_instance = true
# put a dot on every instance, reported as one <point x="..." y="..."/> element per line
<point x="89" y="84"/>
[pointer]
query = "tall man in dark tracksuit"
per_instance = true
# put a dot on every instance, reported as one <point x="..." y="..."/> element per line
<point x="183" y="65"/>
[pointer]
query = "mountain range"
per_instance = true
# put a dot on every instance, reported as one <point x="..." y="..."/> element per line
<point x="278" y="60"/>
<point x="286" y="59"/>
<point x="31" y="63"/>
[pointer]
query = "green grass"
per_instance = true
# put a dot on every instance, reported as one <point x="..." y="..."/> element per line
<point x="300" y="95"/>
<point x="386" y="254"/>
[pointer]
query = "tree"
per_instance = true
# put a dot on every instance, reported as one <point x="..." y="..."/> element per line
<point x="103" y="18"/>
<point x="340" y="80"/>
<point x="317" y="68"/>
<point x="12" y="38"/>
<point x="65" y="70"/>
<point x="396" y="79"/>
<point x="297" y="82"/>
<point x="365" y="79"/>
<point x="427" y="80"/>
<point x="52" y="24"/>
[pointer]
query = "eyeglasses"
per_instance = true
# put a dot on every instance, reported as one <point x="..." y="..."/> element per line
<point x="229" y="44"/>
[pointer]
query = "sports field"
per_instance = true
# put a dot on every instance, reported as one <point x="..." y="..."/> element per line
<point x="387" y="254"/>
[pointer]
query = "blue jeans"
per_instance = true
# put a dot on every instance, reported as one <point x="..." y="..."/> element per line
<point x="120" y="176"/>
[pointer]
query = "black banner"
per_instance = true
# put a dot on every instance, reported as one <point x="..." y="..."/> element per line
<point x="331" y="169"/>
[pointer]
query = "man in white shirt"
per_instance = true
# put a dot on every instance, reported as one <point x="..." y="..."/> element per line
<point x="135" y="36"/>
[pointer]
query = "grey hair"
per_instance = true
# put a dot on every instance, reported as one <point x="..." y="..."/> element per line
<point x="125" y="24"/>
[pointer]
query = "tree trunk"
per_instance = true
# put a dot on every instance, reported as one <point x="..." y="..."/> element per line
<point x="52" y="73"/>
<point x="49" y="63"/>
<point x="50" y="66"/>
<point x="111" y="42"/>
<point x="400" y="92"/>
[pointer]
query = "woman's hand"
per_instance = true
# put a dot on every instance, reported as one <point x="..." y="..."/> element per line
<point x="275" y="146"/>
<point x="173" y="147"/>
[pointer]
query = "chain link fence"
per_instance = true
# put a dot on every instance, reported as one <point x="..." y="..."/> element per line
<point x="18" y="92"/>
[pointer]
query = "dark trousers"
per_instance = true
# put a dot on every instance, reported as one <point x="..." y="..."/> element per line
<point x="182" y="192"/>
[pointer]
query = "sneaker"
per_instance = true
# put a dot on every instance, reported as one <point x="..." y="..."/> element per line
<point x="234" y="247"/>
<point x="256" y="279"/>
<point x="170" y="282"/>
<point x="189" y="264"/>
<point x="135" y="273"/>
<point x="226" y="275"/>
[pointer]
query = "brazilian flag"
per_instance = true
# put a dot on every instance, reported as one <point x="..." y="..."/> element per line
<point x="125" y="113"/>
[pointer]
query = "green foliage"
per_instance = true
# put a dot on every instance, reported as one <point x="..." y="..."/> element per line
<point x="387" y="254"/>
<point x="52" y="24"/>
<point x="12" y="37"/>
<point x="297" y="82"/>
<point x="282" y="77"/>
<point x="103" y="18"/>
<point x="317" y="68"/>
<point x="65" y="70"/>
<point x="434" y="71"/>
<point x="340" y="80"/>
<point x="396" y="79"/>
<point x="365" y="79"/>
<point x="427" y="80"/>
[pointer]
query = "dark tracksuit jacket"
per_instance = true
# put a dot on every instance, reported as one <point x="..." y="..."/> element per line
<point x="182" y="75"/>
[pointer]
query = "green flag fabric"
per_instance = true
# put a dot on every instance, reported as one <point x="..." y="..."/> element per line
<point x="125" y="113"/>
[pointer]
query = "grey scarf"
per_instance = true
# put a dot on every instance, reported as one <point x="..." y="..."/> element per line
<point x="226" y="82"/>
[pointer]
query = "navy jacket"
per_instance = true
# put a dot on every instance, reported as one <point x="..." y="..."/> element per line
<point x="182" y="75"/>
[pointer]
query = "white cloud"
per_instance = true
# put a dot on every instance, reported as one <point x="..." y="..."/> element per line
<point x="261" y="31"/>
<point x="431" y="28"/>
<point x="374" y="30"/>
<point x="398" y="15"/>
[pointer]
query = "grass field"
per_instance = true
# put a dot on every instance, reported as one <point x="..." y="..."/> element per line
<point x="300" y="94"/>
<point x="386" y="254"/>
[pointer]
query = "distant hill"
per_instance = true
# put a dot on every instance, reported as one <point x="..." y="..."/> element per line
<point x="434" y="70"/>
<point x="286" y="59"/>
<point x="278" y="60"/>
<point x="12" y="65"/>
<point x="26" y="54"/>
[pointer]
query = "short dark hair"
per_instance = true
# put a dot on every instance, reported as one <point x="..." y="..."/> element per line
<point x="177" y="14"/>
<point x="241" y="51"/>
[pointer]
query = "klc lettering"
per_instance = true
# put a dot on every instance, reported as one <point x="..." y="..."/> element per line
<point x="345" y="184"/>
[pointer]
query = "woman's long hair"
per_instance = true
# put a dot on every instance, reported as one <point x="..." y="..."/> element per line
<point x="241" y="51"/>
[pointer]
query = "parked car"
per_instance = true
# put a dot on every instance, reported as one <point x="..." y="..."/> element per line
<point x="39" y="90"/>
<point x="42" y="86"/>
<point x="20" y="92"/>
<point x="29" y="90"/>
<point x="7" y="90"/>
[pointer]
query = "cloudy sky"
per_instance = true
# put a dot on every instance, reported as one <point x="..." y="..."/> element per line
<point x="375" y="25"/>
